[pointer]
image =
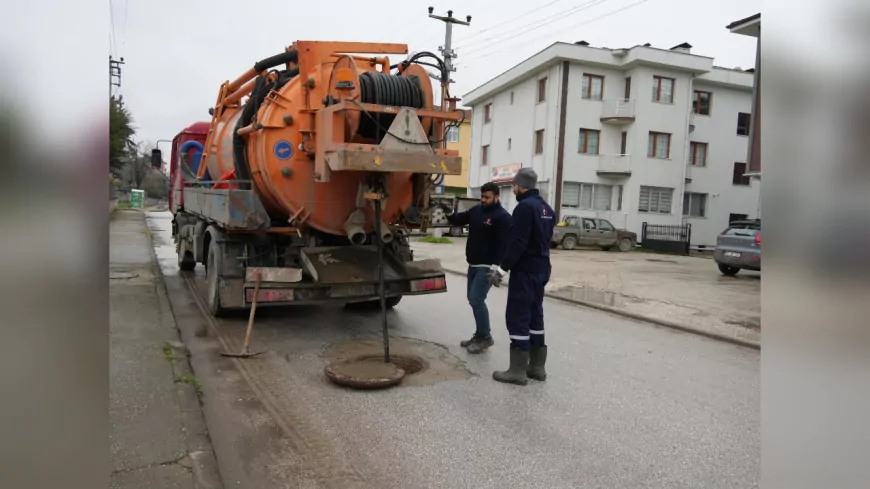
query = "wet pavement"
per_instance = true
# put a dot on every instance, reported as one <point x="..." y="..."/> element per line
<point x="688" y="291"/>
<point x="626" y="404"/>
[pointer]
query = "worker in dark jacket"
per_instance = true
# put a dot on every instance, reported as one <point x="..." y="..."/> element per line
<point x="528" y="261"/>
<point x="488" y="227"/>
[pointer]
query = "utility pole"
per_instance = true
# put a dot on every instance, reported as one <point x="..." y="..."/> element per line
<point x="447" y="51"/>
<point x="114" y="73"/>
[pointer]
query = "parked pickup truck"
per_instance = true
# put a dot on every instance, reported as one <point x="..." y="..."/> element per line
<point x="591" y="231"/>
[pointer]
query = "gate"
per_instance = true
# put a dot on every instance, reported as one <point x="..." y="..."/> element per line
<point x="667" y="238"/>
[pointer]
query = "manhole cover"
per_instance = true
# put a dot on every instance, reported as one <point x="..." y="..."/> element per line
<point x="365" y="373"/>
<point x="122" y="275"/>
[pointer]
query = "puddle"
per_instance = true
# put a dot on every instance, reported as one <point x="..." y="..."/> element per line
<point x="659" y="260"/>
<point x="122" y="275"/>
<point x="424" y="363"/>
<point x="585" y="294"/>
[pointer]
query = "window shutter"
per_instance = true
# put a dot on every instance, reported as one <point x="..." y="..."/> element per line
<point x="665" y="200"/>
<point x="571" y="195"/>
<point x="603" y="197"/>
<point x="644" y="199"/>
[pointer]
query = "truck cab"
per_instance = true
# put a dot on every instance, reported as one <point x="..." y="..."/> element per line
<point x="575" y="231"/>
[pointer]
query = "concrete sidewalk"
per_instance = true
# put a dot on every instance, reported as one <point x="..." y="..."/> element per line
<point x="680" y="292"/>
<point x="157" y="434"/>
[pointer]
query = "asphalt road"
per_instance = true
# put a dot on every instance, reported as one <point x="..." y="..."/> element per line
<point x="626" y="404"/>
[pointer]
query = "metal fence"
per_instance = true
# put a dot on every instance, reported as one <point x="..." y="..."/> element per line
<point x="667" y="238"/>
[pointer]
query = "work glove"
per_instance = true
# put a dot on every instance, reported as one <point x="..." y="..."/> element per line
<point x="495" y="276"/>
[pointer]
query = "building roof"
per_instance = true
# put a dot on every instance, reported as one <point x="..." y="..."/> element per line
<point x="750" y="26"/>
<point x="625" y="58"/>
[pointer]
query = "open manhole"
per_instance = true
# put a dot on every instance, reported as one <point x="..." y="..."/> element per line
<point x="370" y="371"/>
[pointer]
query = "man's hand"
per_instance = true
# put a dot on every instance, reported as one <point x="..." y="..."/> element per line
<point x="495" y="276"/>
<point x="446" y="208"/>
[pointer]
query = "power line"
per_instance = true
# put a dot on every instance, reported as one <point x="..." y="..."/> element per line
<point x="537" y="9"/>
<point x="114" y="39"/>
<point x="126" y="5"/>
<point x="540" y="23"/>
<point x="549" y="35"/>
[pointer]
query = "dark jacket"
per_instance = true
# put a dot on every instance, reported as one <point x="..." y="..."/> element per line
<point x="488" y="229"/>
<point x="529" y="246"/>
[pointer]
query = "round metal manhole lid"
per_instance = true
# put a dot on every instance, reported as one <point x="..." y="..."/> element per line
<point x="365" y="373"/>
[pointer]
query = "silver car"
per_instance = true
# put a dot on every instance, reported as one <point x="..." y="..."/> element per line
<point x="739" y="247"/>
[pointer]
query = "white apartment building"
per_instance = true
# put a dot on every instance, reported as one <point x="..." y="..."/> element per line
<point x="631" y="135"/>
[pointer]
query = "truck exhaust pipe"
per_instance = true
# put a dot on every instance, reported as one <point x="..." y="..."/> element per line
<point x="354" y="227"/>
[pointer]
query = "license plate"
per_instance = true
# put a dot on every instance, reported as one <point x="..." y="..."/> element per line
<point x="732" y="254"/>
<point x="353" y="290"/>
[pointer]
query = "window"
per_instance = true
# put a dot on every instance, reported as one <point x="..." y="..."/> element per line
<point x="628" y="88"/>
<point x="701" y="102"/>
<point x="593" y="87"/>
<point x="588" y="141"/>
<point x="655" y="199"/>
<point x="739" y="178"/>
<point x="624" y="144"/>
<point x="452" y="134"/>
<point x="742" y="124"/>
<point x="604" y="225"/>
<point x="588" y="224"/>
<point x="512" y="98"/>
<point x="663" y="90"/>
<point x="698" y="154"/>
<point x="509" y="144"/>
<point x="487" y="113"/>
<point x="542" y="90"/>
<point x="659" y="145"/>
<point x="587" y="196"/>
<point x="694" y="205"/>
<point x="539" y="141"/>
<point x="619" y="198"/>
<point x="484" y="155"/>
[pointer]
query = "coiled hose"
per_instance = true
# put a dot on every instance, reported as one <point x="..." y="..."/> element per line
<point x="383" y="89"/>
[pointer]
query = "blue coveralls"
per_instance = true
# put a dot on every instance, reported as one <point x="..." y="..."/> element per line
<point x="528" y="261"/>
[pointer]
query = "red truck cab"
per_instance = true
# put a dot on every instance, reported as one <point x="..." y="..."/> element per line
<point x="196" y="132"/>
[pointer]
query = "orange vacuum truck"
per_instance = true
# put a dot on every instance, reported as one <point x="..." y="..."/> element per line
<point x="317" y="164"/>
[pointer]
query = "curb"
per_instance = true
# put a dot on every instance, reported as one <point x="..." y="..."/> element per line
<point x="205" y="470"/>
<point x="639" y="317"/>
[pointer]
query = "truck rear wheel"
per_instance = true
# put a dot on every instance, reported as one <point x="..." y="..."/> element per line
<point x="212" y="274"/>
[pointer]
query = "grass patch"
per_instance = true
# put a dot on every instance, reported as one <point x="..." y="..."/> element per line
<point x="435" y="239"/>
<point x="123" y="205"/>
<point x="169" y="354"/>
<point x="188" y="379"/>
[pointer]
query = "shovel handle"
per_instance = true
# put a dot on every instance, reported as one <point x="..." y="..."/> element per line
<point x="253" y="311"/>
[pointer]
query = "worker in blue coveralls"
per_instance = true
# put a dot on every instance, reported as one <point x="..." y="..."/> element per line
<point x="488" y="227"/>
<point x="528" y="260"/>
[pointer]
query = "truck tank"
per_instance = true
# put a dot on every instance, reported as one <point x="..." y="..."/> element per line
<point x="272" y="137"/>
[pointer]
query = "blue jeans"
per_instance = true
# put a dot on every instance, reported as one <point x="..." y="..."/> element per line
<point x="478" y="288"/>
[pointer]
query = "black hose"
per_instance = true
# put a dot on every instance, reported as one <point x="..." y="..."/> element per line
<point x="258" y="94"/>
<point x="278" y="59"/>
<point x="382" y="89"/>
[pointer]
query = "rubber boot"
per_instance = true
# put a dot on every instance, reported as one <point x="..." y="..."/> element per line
<point x="516" y="373"/>
<point x="537" y="360"/>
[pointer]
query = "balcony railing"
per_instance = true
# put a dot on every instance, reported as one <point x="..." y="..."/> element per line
<point x="619" y="111"/>
<point x="688" y="172"/>
<point x="614" y="165"/>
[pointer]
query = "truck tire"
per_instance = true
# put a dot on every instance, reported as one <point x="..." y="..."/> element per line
<point x="212" y="274"/>
<point x="569" y="242"/>
<point x="625" y="245"/>
<point x="185" y="257"/>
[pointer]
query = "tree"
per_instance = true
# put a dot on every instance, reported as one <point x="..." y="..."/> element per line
<point x="121" y="132"/>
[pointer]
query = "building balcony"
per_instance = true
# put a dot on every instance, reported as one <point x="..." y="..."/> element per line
<point x="688" y="173"/>
<point x="614" y="165"/>
<point x="617" y="111"/>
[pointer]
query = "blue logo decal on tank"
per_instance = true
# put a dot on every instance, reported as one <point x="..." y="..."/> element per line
<point x="283" y="150"/>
